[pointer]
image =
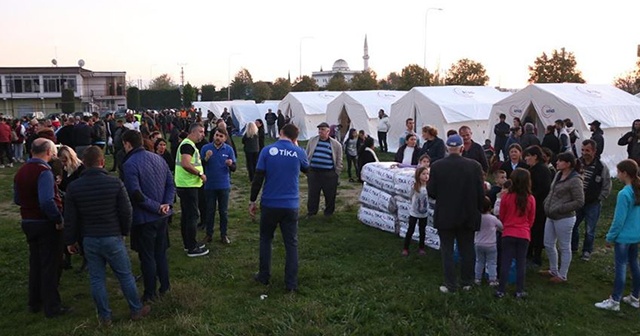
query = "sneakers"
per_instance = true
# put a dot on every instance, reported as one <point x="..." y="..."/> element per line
<point x="466" y="288"/>
<point x="200" y="246"/>
<point x="225" y="240"/>
<point x="494" y="283"/>
<point x="10" y="165"/>
<point x="585" y="256"/>
<point x="478" y="282"/>
<point x="1" y="166"/>
<point x="197" y="252"/>
<point x="499" y="294"/>
<point x="548" y="273"/>
<point x="405" y="252"/>
<point x="557" y="279"/>
<point x="444" y="289"/>
<point x="141" y="314"/>
<point x="521" y="295"/>
<point x="609" y="304"/>
<point x="422" y="252"/>
<point x="632" y="301"/>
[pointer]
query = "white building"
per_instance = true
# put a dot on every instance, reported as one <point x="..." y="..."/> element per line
<point x="25" y="90"/>
<point x="322" y="78"/>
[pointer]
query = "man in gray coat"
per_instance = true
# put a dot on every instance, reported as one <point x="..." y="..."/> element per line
<point x="325" y="162"/>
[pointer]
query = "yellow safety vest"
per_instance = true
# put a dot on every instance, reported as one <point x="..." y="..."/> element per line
<point x="185" y="179"/>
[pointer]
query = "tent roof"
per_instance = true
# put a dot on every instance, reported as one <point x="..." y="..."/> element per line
<point x="461" y="103"/>
<point x="605" y="103"/>
<point x="314" y="102"/>
<point x="372" y="101"/>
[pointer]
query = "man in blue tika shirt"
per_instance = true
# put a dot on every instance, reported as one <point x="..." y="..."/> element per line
<point x="278" y="167"/>
<point x="219" y="160"/>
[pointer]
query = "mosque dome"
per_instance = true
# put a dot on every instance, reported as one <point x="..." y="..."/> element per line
<point x="340" y="65"/>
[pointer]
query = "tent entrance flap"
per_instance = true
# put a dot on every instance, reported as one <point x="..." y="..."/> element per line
<point x="345" y="123"/>
<point x="531" y="116"/>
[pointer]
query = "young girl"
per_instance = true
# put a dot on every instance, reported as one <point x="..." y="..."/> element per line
<point x="419" y="210"/>
<point x="486" y="247"/>
<point x="624" y="233"/>
<point x="351" y="150"/>
<point x="517" y="212"/>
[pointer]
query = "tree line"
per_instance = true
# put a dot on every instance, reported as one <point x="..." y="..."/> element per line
<point x="559" y="66"/>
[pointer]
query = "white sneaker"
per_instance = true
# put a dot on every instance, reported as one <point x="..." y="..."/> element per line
<point x="608" y="304"/>
<point x="632" y="301"/>
<point x="444" y="289"/>
<point x="1" y="166"/>
<point x="10" y="165"/>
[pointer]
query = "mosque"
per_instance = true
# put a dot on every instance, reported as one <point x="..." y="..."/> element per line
<point x="322" y="77"/>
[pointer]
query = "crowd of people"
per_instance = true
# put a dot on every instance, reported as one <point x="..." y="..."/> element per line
<point x="71" y="205"/>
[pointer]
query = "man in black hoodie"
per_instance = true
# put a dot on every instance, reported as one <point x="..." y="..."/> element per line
<point x="632" y="141"/>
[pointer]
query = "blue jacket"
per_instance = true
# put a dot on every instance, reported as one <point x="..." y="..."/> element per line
<point x="625" y="228"/>
<point x="149" y="183"/>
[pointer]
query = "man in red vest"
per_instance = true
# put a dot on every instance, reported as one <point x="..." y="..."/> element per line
<point x="36" y="192"/>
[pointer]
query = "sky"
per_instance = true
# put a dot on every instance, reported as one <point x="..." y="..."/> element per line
<point x="213" y="40"/>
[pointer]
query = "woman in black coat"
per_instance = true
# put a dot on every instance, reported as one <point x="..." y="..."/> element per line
<point x="540" y="184"/>
<point x="160" y="148"/>
<point x="410" y="143"/>
<point x="433" y="146"/>
<point x="514" y="160"/>
<point x="366" y="154"/>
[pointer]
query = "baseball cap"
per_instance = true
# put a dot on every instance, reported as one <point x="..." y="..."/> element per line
<point x="454" y="141"/>
<point x="323" y="124"/>
<point x="595" y="123"/>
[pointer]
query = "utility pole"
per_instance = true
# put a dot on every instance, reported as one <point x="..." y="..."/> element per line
<point x="182" y="65"/>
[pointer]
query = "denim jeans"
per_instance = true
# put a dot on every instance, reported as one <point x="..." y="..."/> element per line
<point x="217" y="198"/>
<point x="271" y="131"/>
<point x="487" y="259"/>
<point x="559" y="231"/>
<point x="288" y="220"/>
<point x="625" y="254"/>
<point x="189" y="216"/>
<point x="513" y="248"/>
<point x="18" y="151"/>
<point x="152" y="247"/>
<point x="100" y="251"/>
<point x="590" y="213"/>
<point x="382" y="139"/>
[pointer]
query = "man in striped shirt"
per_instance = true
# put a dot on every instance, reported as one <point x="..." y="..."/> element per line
<point x="325" y="163"/>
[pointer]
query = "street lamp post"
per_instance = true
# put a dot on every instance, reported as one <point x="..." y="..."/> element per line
<point x="301" y="39"/>
<point x="424" y="61"/>
<point x="229" y="77"/>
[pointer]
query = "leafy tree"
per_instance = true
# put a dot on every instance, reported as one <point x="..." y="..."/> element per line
<point x="467" y="72"/>
<point x="189" y="94"/>
<point x="133" y="98"/>
<point x="365" y="80"/>
<point x="241" y="86"/>
<point x="261" y="91"/>
<point x="280" y="88"/>
<point x="337" y="83"/>
<point x="559" y="68"/>
<point x="162" y="82"/>
<point x="160" y="99"/>
<point x="68" y="101"/>
<point x="390" y="83"/>
<point x="208" y="92"/>
<point x="413" y="75"/>
<point x="306" y="83"/>
<point x="630" y="81"/>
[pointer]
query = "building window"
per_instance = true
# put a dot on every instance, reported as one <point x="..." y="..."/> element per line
<point x="58" y="83"/>
<point x="23" y="84"/>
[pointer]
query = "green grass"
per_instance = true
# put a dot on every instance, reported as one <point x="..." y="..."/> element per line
<point x="353" y="280"/>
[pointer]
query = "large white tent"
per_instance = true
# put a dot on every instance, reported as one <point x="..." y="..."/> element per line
<point x="543" y="104"/>
<point x="359" y="110"/>
<point x="307" y="110"/>
<point x="217" y="107"/>
<point x="445" y="107"/>
<point x="244" y="113"/>
<point x="266" y="105"/>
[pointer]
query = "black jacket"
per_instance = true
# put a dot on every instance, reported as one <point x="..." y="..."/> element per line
<point x="624" y="140"/>
<point x="506" y="166"/>
<point x="529" y="139"/>
<point x="599" y="139"/>
<point x="477" y="153"/>
<point x="540" y="184"/>
<point x="65" y="135"/>
<point x="82" y="134"/>
<point x="501" y="130"/>
<point x="414" y="158"/>
<point x="552" y="142"/>
<point x="457" y="185"/>
<point x="434" y="148"/>
<point x="96" y="205"/>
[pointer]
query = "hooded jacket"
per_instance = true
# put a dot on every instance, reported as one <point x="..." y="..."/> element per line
<point x="565" y="196"/>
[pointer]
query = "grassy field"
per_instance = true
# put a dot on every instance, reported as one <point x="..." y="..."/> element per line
<point x="353" y="281"/>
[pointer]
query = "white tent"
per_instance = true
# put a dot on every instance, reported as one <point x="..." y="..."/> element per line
<point x="307" y="110"/>
<point x="244" y="113"/>
<point x="359" y="110"/>
<point x="582" y="103"/>
<point x="217" y="107"/>
<point x="266" y="105"/>
<point x="445" y="107"/>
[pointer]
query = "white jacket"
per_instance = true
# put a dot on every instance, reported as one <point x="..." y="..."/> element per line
<point x="383" y="124"/>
